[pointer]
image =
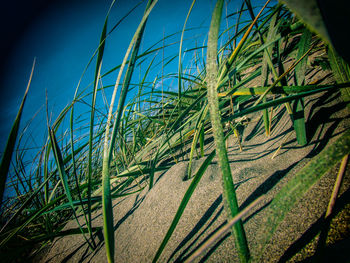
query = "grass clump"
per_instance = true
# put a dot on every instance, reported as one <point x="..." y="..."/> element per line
<point x="84" y="165"/>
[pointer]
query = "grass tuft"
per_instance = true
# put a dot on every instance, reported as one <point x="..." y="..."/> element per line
<point x="170" y="106"/>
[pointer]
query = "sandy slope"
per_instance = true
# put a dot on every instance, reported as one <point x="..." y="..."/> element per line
<point x="142" y="220"/>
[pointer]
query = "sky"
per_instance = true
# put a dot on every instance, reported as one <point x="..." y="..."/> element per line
<point x="62" y="36"/>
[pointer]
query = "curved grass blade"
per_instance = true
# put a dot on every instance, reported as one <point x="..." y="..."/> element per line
<point x="184" y="203"/>
<point x="92" y="115"/>
<point x="64" y="179"/>
<point x="300" y="72"/>
<point x="180" y="53"/>
<point x="108" y="228"/>
<point x="198" y="134"/>
<point x="180" y="71"/>
<point x="136" y="41"/>
<point x="11" y="141"/>
<point x="201" y="141"/>
<point x="267" y="61"/>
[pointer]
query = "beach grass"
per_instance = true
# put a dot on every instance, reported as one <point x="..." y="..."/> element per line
<point x="86" y="165"/>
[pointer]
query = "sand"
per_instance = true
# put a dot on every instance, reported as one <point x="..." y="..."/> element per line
<point x="141" y="220"/>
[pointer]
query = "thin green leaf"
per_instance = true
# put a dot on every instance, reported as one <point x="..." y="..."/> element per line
<point x="184" y="203"/>
<point x="11" y="141"/>
<point x="300" y="72"/>
<point x="108" y="147"/>
<point x="267" y="61"/>
<point x="92" y="116"/>
<point x="63" y="176"/>
<point x="229" y="195"/>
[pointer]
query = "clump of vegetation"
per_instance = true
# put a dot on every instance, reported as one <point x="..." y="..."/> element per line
<point x="85" y="165"/>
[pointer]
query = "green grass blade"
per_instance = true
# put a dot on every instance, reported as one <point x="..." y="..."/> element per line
<point x="46" y="171"/>
<point x="185" y="112"/>
<point x="201" y="141"/>
<point x="299" y="122"/>
<point x="108" y="227"/>
<point x="266" y="61"/>
<point x="136" y="41"/>
<point x="180" y="72"/>
<point x="300" y="72"/>
<point x="92" y="115"/>
<point x="303" y="45"/>
<point x="198" y="132"/>
<point x="63" y="176"/>
<point x="159" y="125"/>
<point x="184" y="203"/>
<point x="229" y="195"/>
<point x="180" y="52"/>
<point x="289" y="195"/>
<point x="11" y="141"/>
<point x="266" y="119"/>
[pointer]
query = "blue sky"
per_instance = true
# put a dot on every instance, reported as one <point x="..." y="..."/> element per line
<point x="63" y="36"/>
